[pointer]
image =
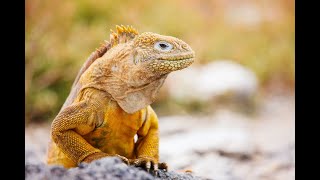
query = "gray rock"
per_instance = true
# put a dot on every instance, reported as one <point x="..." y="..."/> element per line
<point x="207" y="82"/>
<point x="106" y="168"/>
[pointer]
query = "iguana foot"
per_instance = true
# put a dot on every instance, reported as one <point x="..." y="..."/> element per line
<point x="163" y="166"/>
<point x="149" y="164"/>
<point x="100" y="155"/>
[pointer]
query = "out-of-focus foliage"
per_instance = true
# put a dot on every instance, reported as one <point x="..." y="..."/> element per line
<point x="60" y="35"/>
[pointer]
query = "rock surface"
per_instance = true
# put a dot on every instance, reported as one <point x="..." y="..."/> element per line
<point x="106" y="168"/>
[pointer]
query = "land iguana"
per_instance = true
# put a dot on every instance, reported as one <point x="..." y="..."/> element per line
<point x="109" y="102"/>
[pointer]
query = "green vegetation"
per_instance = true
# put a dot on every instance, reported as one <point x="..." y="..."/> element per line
<point x="60" y="35"/>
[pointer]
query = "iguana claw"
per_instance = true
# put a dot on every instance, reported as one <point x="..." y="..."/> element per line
<point x="149" y="164"/>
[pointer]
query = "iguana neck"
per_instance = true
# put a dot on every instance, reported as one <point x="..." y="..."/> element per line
<point x="110" y="75"/>
<point x="129" y="98"/>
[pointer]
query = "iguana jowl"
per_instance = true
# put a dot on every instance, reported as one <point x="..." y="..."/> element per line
<point x="109" y="102"/>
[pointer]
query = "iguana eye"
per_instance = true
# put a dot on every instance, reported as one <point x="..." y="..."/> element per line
<point x="163" y="46"/>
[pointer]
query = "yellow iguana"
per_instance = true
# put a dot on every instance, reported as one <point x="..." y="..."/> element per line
<point x="110" y="99"/>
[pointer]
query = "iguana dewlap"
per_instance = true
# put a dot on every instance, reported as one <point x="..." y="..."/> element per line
<point x="109" y="102"/>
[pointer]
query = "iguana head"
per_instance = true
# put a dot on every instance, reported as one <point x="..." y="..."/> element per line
<point x="134" y="66"/>
<point x="162" y="54"/>
<point x="139" y="59"/>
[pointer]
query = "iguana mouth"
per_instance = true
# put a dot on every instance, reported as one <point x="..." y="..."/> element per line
<point x="169" y="64"/>
<point x="177" y="58"/>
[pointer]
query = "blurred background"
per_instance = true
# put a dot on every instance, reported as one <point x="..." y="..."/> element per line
<point x="231" y="112"/>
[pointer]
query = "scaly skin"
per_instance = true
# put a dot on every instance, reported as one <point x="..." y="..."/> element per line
<point x="109" y="102"/>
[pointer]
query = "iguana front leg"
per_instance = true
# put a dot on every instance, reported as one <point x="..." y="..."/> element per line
<point x="74" y="121"/>
<point x="147" y="146"/>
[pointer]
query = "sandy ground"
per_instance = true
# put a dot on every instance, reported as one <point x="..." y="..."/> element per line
<point x="223" y="145"/>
